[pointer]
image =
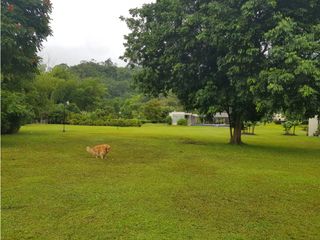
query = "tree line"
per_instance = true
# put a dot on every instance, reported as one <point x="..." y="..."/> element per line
<point x="90" y="92"/>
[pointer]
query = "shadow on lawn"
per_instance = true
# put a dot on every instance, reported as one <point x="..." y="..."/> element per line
<point x="267" y="148"/>
<point x="292" y="150"/>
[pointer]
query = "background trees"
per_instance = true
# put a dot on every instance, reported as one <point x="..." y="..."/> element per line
<point x="95" y="91"/>
<point x="233" y="56"/>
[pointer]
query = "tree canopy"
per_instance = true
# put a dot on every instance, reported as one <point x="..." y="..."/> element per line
<point x="243" y="57"/>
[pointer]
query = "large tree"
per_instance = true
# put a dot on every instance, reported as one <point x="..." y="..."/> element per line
<point x="24" y="25"/>
<point x="215" y="54"/>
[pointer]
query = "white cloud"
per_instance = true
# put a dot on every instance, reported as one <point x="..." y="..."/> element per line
<point x="84" y="30"/>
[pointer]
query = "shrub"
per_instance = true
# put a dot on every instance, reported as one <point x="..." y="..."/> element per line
<point x="295" y="123"/>
<point x="287" y="127"/>
<point x="99" y="122"/>
<point x="169" y="120"/>
<point x="90" y="119"/>
<point x="182" y="122"/>
<point x="14" y="112"/>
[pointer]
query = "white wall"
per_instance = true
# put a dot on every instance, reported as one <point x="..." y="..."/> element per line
<point x="176" y="117"/>
<point x="313" y="125"/>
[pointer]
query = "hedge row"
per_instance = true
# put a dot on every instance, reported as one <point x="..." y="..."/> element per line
<point x="78" y="119"/>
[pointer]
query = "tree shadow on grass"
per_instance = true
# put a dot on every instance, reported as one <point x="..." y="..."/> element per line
<point x="267" y="148"/>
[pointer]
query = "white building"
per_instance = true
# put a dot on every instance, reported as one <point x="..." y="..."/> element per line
<point x="221" y="118"/>
<point x="278" y="117"/>
<point x="190" y="117"/>
<point x="313" y="125"/>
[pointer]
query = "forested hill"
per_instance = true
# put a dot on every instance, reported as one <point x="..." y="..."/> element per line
<point x="118" y="79"/>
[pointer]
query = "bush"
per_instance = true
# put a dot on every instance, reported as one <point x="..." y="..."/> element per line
<point x="99" y="122"/>
<point x="287" y="127"/>
<point x="182" y="122"/>
<point x="169" y="120"/>
<point x="14" y="112"/>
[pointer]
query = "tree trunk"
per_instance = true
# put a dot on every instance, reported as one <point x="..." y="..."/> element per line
<point x="230" y="125"/>
<point x="253" y="127"/>
<point x="236" y="137"/>
<point x="230" y="128"/>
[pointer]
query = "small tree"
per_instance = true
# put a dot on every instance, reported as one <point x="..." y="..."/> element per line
<point x="249" y="127"/>
<point x="287" y="127"/>
<point x="295" y="123"/>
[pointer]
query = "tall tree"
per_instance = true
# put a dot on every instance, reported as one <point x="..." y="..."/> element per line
<point x="24" y="25"/>
<point x="212" y="54"/>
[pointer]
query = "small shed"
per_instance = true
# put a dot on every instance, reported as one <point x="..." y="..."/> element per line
<point x="313" y="125"/>
<point x="191" y="118"/>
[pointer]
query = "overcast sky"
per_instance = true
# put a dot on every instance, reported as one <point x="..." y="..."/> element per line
<point x="85" y="30"/>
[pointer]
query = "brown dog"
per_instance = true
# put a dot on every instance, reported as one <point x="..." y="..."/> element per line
<point x="99" y="150"/>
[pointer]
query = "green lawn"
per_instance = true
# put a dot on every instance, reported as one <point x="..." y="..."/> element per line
<point x="159" y="182"/>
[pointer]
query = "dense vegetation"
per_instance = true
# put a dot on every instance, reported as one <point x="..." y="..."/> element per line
<point x="96" y="93"/>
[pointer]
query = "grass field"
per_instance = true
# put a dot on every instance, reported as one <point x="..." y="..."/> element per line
<point x="159" y="182"/>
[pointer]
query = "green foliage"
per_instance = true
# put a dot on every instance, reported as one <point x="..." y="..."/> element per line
<point x="169" y="120"/>
<point x="87" y="87"/>
<point x="247" y="58"/>
<point x="117" y="79"/>
<point x="92" y="119"/>
<point x="292" y="75"/>
<point x="57" y="114"/>
<point x="155" y="111"/>
<point x="182" y="122"/>
<point x="24" y="25"/>
<point x="287" y="125"/>
<point x="14" y="111"/>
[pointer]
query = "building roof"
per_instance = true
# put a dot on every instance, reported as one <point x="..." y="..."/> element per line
<point x="222" y="114"/>
<point x="183" y="113"/>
